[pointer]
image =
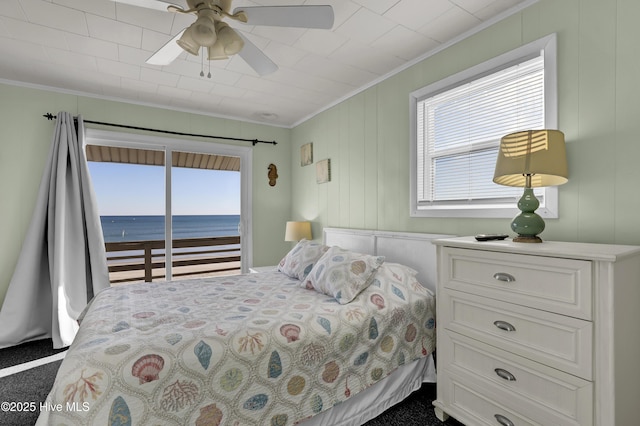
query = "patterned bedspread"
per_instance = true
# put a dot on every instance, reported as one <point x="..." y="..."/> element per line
<point x="252" y="349"/>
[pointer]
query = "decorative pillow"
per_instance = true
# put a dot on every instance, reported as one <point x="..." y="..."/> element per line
<point x="343" y="274"/>
<point x="396" y="279"/>
<point x="395" y="273"/>
<point x="300" y="260"/>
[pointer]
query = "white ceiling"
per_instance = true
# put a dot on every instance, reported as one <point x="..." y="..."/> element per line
<point x="98" y="48"/>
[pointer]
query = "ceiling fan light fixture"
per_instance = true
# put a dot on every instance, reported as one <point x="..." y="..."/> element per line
<point x="223" y="41"/>
<point x="230" y="39"/>
<point x="216" y="51"/>
<point x="187" y="42"/>
<point x="204" y="29"/>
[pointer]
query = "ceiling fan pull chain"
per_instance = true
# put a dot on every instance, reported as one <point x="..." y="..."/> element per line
<point x="209" y="75"/>
<point x="202" y="63"/>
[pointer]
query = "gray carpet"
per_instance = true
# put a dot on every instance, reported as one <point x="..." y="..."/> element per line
<point x="33" y="386"/>
<point x="27" y="352"/>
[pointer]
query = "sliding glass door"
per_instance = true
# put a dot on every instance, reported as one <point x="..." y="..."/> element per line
<point x="130" y="191"/>
<point x="205" y="207"/>
<point x="193" y="197"/>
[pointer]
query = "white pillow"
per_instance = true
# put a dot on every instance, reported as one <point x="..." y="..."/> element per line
<point x="343" y="274"/>
<point x="394" y="280"/>
<point x="395" y="273"/>
<point x="300" y="260"/>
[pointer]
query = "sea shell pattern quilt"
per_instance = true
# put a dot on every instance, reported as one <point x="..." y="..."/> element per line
<point x="254" y="349"/>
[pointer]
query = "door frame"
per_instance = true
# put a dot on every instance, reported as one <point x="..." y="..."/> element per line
<point x="159" y="143"/>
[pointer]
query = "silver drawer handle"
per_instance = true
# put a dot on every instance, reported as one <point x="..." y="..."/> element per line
<point x="504" y="277"/>
<point x="503" y="420"/>
<point x="504" y="374"/>
<point x="503" y="325"/>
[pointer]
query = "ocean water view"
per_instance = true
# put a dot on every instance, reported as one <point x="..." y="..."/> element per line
<point x="143" y="228"/>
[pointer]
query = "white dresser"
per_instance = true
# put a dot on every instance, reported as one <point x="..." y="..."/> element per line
<point x="538" y="334"/>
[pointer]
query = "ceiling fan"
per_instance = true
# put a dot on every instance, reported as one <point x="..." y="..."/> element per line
<point x="209" y="31"/>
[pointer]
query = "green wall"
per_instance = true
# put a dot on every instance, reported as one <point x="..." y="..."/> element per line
<point x="25" y="138"/>
<point x="367" y="136"/>
<point x="367" y="139"/>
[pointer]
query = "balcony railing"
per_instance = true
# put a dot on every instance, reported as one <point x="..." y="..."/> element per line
<point x="134" y="261"/>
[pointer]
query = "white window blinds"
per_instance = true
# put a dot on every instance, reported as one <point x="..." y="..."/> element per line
<point x="459" y="130"/>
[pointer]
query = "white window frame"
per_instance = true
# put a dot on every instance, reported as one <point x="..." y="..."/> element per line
<point x="168" y="145"/>
<point x="547" y="47"/>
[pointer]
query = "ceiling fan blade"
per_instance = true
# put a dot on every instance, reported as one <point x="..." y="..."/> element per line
<point x="167" y="53"/>
<point x="149" y="4"/>
<point x="305" y="16"/>
<point x="256" y="59"/>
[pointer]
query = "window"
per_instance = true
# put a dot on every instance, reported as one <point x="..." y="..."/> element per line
<point x="456" y="126"/>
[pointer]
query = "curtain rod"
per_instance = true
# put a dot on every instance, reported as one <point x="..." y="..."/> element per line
<point x="50" y="116"/>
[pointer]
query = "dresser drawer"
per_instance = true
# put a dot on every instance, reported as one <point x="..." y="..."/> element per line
<point x="560" y="342"/>
<point x="472" y="407"/>
<point x="542" y="393"/>
<point x="557" y="285"/>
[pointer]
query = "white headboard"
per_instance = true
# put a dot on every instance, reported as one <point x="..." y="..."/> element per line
<point x="411" y="249"/>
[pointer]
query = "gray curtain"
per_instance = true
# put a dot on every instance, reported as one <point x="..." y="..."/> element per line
<point x="62" y="263"/>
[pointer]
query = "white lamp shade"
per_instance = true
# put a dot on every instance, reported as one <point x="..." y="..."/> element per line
<point x="296" y="231"/>
<point x="540" y="154"/>
<point x="216" y="51"/>
<point x="231" y="41"/>
<point x="187" y="42"/>
<point x="203" y="30"/>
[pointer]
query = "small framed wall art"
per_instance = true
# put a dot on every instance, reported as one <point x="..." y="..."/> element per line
<point x="306" y="154"/>
<point x="323" y="171"/>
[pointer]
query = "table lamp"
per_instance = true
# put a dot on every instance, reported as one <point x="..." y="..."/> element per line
<point x="296" y="231"/>
<point x="530" y="159"/>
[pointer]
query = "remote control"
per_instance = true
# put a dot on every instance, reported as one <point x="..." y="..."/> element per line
<point x="490" y="237"/>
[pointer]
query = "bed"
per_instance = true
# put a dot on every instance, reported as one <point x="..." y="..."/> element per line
<point x="337" y="333"/>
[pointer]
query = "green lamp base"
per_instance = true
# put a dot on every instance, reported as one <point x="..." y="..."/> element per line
<point x="528" y="224"/>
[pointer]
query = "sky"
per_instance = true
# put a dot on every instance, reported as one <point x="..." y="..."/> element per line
<point x="133" y="189"/>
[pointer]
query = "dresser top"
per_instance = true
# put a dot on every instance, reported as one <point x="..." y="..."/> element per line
<point x="587" y="251"/>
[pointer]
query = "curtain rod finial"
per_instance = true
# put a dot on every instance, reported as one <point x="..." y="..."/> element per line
<point x="49" y="116"/>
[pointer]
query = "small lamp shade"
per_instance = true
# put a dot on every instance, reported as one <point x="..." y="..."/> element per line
<point x="230" y="39"/>
<point x="296" y="231"/>
<point x="529" y="159"/>
<point x="540" y="154"/>
<point x="203" y="31"/>
<point x="187" y="42"/>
